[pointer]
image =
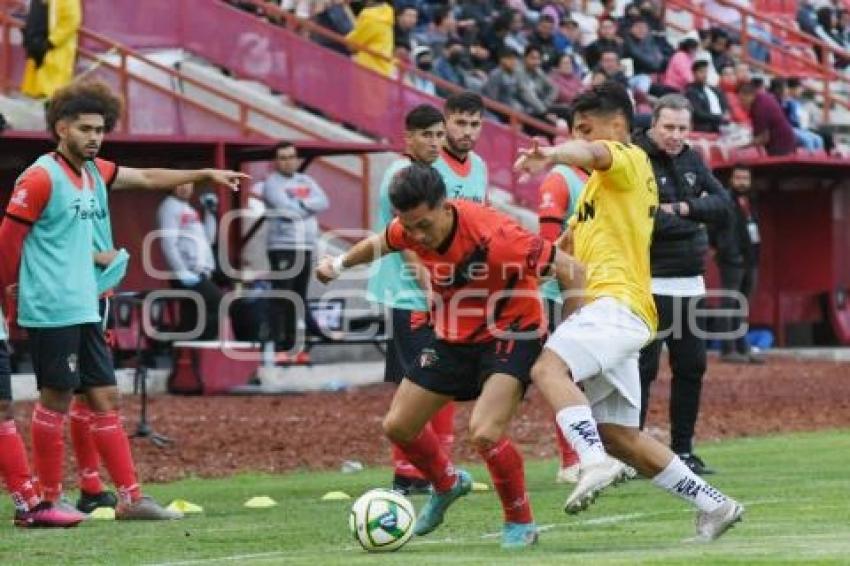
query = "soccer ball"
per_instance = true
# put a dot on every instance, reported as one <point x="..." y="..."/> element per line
<point x="382" y="520"/>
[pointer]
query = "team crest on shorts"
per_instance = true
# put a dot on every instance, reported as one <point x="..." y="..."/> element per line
<point x="428" y="358"/>
<point x="72" y="362"/>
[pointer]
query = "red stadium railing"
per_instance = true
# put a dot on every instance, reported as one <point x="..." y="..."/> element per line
<point x="152" y="108"/>
<point x="309" y="74"/>
<point x="785" y="61"/>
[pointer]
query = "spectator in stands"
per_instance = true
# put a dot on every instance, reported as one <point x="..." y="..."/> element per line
<point x="703" y="54"/>
<point x="609" y="63"/>
<point x="804" y="113"/>
<point x="743" y="73"/>
<point x="293" y="200"/>
<point x="805" y="138"/>
<point x="818" y="24"/>
<point x="608" y="40"/>
<point x="650" y="12"/>
<point x="720" y="49"/>
<point x="406" y="19"/>
<point x="543" y="37"/>
<point x="494" y="37"/>
<point x="729" y="87"/>
<point x="710" y="108"/>
<point x="423" y="59"/>
<point x="516" y="38"/>
<point x="479" y="12"/>
<point x="50" y="41"/>
<point x="679" y="73"/>
<point x="338" y="18"/>
<point x="566" y="80"/>
<point x="557" y="10"/>
<point x="737" y="256"/>
<point x="450" y="67"/>
<point x="373" y="30"/>
<point x="828" y="23"/>
<point x="568" y="41"/>
<point x="186" y="243"/>
<point x="442" y="28"/>
<point x="771" y="129"/>
<point x="537" y="92"/>
<point x="842" y="28"/>
<point x="503" y="84"/>
<point x="645" y="54"/>
<point x="630" y="15"/>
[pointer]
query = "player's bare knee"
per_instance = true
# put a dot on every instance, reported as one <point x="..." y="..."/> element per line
<point x="485" y="435"/>
<point x="102" y="399"/>
<point x="395" y="429"/>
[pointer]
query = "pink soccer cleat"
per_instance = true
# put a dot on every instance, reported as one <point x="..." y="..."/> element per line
<point x="47" y="515"/>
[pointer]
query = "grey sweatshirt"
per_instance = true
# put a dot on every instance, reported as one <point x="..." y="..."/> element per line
<point x="292" y="204"/>
<point x="185" y="240"/>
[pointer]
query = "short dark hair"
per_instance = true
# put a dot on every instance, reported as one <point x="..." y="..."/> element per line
<point x="608" y="50"/>
<point x="417" y="184"/>
<point x="283" y="145"/>
<point x="672" y="101"/>
<point x="84" y="97"/>
<point x="609" y="97"/>
<point x="506" y="52"/>
<point x="688" y="44"/>
<point x="441" y="14"/>
<point x="699" y="64"/>
<point x="546" y="18"/>
<point x="422" y="117"/>
<point x="466" y="102"/>
<point x="794" y="82"/>
<point x="531" y="49"/>
<point x="739" y="167"/>
<point x="747" y="88"/>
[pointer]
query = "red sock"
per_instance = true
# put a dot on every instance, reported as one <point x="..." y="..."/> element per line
<point x="443" y="424"/>
<point x="402" y="466"/>
<point x="14" y="467"/>
<point x="425" y="453"/>
<point x="48" y="446"/>
<point x="569" y="457"/>
<point x="504" y="463"/>
<point x="114" y="449"/>
<point x="85" y="451"/>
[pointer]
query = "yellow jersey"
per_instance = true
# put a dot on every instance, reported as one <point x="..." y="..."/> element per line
<point x="612" y="230"/>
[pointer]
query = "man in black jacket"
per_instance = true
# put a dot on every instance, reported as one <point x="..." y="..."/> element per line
<point x="737" y="259"/>
<point x="711" y="109"/>
<point x="688" y="196"/>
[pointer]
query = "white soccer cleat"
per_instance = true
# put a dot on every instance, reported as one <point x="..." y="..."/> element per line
<point x="591" y="481"/>
<point x="710" y="526"/>
<point x="568" y="474"/>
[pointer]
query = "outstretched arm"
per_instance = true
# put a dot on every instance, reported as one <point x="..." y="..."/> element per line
<point x="167" y="179"/>
<point x="579" y="153"/>
<point x="363" y="252"/>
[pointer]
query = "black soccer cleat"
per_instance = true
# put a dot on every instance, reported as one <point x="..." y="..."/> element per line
<point x="410" y="486"/>
<point x="696" y="464"/>
<point x="88" y="502"/>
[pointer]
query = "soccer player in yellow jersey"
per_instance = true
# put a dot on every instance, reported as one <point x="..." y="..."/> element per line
<point x="597" y="345"/>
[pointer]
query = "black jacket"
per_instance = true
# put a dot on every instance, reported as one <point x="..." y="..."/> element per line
<point x="679" y="243"/>
<point x="704" y="120"/>
<point x="732" y="239"/>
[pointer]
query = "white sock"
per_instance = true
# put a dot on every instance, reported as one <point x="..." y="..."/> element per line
<point x="580" y="430"/>
<point x="679" y="480"/>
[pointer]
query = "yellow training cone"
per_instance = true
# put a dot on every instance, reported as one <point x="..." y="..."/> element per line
<point x="260" y="502"/>
<point x="478" y="486"/>
<point x="103" y="514"/>
<point x="335" y="496"/>
<point x="184" y="506"/>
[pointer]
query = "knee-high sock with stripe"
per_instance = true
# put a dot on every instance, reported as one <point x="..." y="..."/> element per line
<point x="48" y="446"/>
<point x="114" y="449"/>
<point x="428" y="456"/>
<point x="443" y="424"/>
<point x="14" y="467"/>
<point x="505" y="464"/>
<point x="85" y="450"/>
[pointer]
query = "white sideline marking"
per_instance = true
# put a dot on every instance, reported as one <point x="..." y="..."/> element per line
<point x="221" y="559"/>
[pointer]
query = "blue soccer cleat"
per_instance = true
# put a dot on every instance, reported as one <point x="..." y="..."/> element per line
<point x="432" y="513"/>
<point x="519" y="535"/>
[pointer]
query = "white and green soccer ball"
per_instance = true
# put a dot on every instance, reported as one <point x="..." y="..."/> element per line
<point x="382" y="520"/>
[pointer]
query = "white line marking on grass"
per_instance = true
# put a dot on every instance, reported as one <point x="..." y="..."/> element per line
<point x="230" y="558"/>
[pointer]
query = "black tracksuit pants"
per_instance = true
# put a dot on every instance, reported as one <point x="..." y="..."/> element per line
<point x="677" y="329"/>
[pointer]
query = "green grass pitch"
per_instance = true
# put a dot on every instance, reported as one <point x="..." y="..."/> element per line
<point x="796" y="489"/>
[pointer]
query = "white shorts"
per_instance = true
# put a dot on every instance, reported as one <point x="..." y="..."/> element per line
<point x="600" y="343"/>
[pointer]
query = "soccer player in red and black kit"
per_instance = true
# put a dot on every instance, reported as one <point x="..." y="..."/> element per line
<point x="489" y="325"/>
<point x="47" y="250"/>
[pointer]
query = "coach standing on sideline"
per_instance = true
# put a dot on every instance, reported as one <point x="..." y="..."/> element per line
<point x="689" y="196"/>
